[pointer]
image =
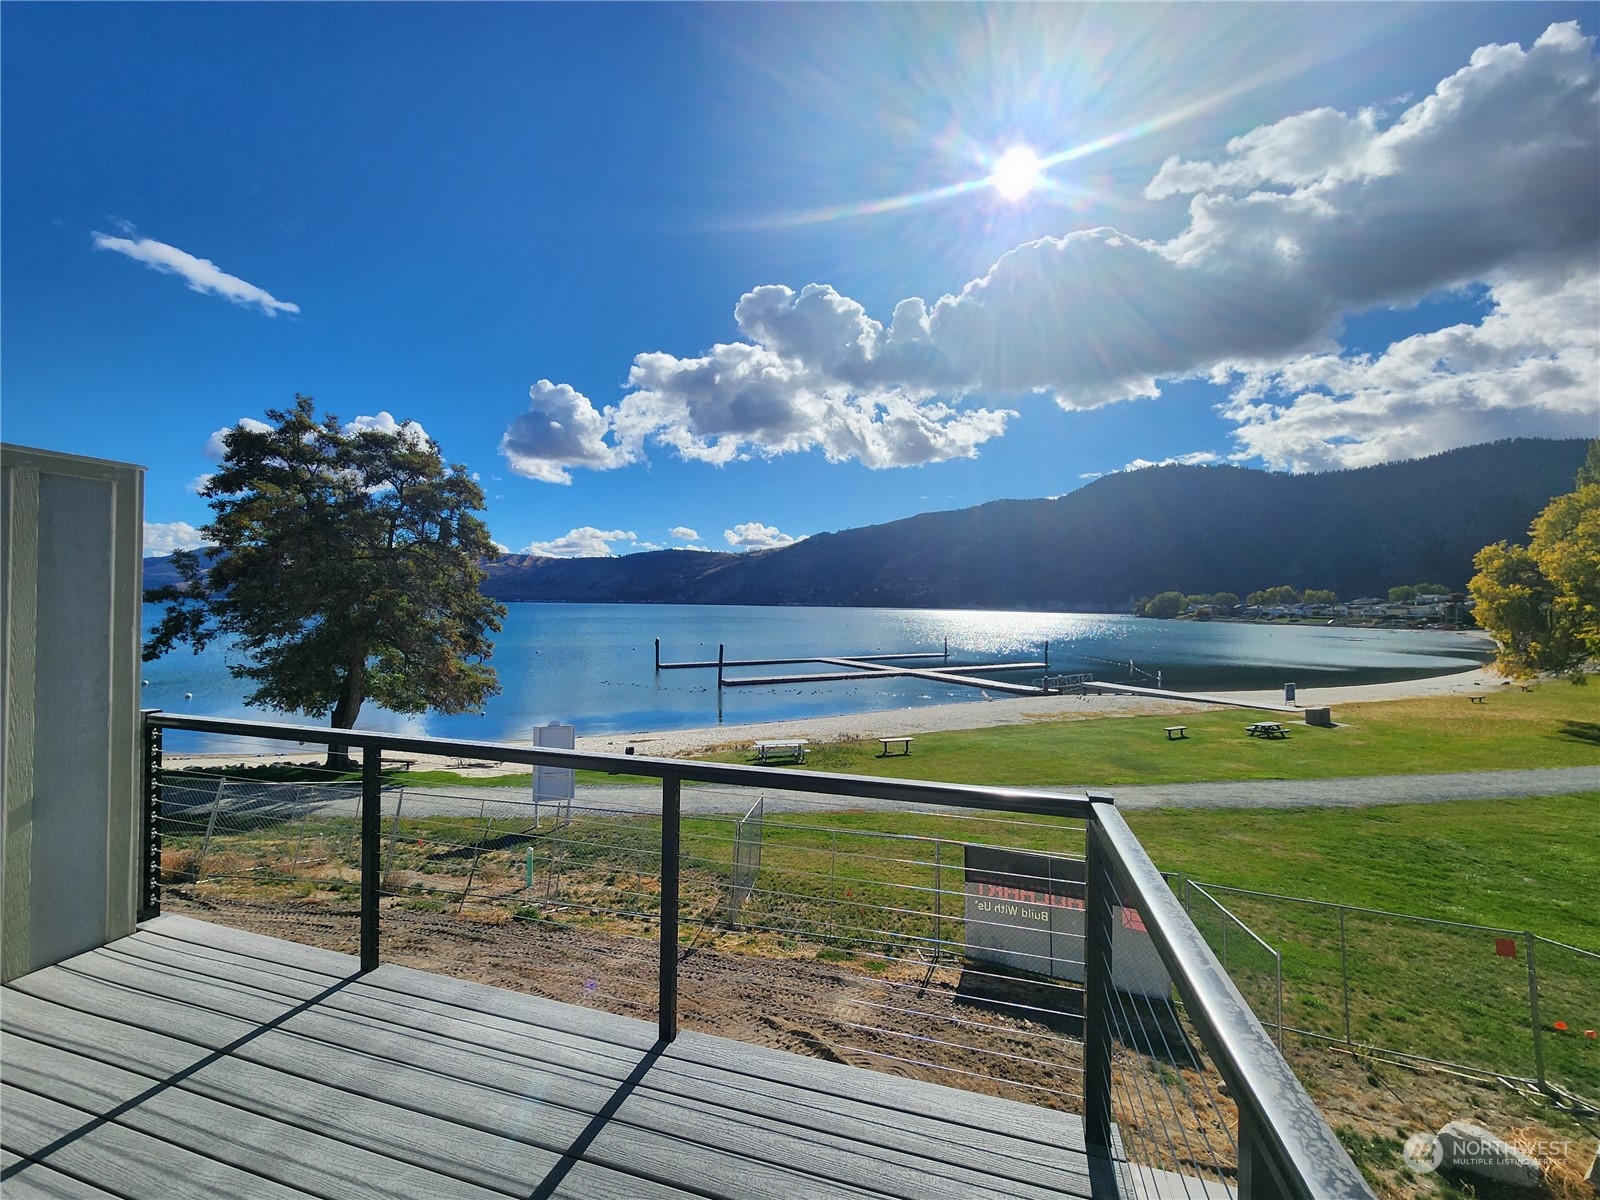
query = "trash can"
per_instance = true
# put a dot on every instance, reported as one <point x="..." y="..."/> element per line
<point x="1288" y="693"/>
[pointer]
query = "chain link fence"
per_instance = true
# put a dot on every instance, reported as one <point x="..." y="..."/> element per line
<point x="1496" y="1002"/>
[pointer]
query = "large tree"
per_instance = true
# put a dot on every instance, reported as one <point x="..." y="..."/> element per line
<point x="1541" y="602"/>
<point x="345" y="569"/>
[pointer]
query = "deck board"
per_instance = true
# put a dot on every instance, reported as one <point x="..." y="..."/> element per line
<point x="245" y="1065"/>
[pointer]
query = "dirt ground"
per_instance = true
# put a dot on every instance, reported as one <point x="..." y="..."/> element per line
<point x="880" y="1019"/>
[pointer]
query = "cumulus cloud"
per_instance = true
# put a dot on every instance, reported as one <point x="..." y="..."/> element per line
<point x="161" y="538"/>
<point x="1489" y="181"/>
<point x="1531" y="367"/>
<point x="385" y="423"/>
<point x="1195" y="458"/>
<point x="583" y="542"/>
<point x="561" y="429"/>
<point x="216" y="447"/>
<point x="684" y="534"/>
<point x="200" y="274"/>
<point x="753" y="535"/>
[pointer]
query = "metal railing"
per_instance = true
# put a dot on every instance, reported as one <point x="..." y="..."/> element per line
<point x="1264" y="1134"/>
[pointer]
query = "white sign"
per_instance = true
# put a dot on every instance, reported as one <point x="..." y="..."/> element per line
<point x="554" y="785"/>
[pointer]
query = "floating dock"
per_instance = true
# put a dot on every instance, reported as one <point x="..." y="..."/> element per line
<point x="877" y="666"/>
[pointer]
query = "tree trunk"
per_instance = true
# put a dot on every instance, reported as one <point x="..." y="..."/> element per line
<point x="345" y="712"/>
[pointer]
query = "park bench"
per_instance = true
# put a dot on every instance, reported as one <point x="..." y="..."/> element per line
<point x="781" y="750"/>
<point x="1477" y="699"/>
<point x="1176" y="732"/>
<point x="903" y="742"/>
<point x="1267" y="729"/>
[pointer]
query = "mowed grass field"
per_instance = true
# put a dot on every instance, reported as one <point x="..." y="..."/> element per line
<point x="1555" y="725"/>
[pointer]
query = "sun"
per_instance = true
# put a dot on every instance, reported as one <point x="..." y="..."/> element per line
<point x="1017" y="173"/>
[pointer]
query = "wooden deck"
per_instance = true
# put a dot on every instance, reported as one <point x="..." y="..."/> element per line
<point x="193" y="1060"/>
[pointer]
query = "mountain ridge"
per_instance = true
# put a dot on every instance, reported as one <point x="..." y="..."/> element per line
<point x="1196" y="529"/>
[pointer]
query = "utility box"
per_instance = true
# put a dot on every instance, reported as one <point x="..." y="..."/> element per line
<point x="71" y="574"/>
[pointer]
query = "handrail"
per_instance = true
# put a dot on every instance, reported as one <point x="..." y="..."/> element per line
<point x="1285" y="1147"/>
<point x="873" y="787"/>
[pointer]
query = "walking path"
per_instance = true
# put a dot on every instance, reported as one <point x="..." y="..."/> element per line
<point x="1352" y="792"/>
<point x="1361" y="791"/>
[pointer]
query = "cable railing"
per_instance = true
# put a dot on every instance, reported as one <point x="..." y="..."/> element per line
<point x="1008" y="941"/>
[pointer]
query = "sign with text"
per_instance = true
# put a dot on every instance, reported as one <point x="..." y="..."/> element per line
<point x="1026" y="911"/>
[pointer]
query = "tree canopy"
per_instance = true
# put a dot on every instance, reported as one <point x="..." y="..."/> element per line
<point x="345" y="569"/>
<point x="1541" y="602"/>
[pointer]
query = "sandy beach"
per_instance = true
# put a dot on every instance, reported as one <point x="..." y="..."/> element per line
<point x="1014" y="710"/>
<point x="904" y="722"/>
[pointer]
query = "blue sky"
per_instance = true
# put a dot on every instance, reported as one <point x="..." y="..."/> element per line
<point x="729" y="275"/>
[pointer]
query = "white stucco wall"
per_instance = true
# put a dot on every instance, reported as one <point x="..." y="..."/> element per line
<point x="71" y="534"/>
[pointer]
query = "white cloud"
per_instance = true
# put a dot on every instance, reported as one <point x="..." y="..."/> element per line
<point x="385" y="423"/>
<point x="684" y="534"/>
<point x="584" y="542"/>
<point x="161" y="538"/>
<point x="216" y="447"/>
<point x="1488" y="181"/>
<point x="1195" y="458"/>
<point x="200" y="274"/>
<point x="561" y="429"/>
<point x="1530" y="367"/>
<point x="753" y="535"/>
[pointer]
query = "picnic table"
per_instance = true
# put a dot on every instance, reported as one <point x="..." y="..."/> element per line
<point x="903" y="742"/>
<point x="1267" y="729"/>
<point x="781" y="750"/>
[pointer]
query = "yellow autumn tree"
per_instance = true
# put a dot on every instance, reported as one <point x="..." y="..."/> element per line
<point x="1541" y="602"/>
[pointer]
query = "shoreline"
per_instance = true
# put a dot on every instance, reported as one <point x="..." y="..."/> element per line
<point x="936" y="718"/>
<point x="929" y="718"/>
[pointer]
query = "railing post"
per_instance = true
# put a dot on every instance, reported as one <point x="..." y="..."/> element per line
<point x="371" y="875"/>
<point x="1533" y="1013"/>
<point x="1099" y="899"/>
<point x="150" y="843"/>
<point x="1344" y="975"/>
<point x="667" y="1008"/>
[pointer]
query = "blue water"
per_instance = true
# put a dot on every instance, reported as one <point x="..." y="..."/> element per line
<point x="592" y="665"/>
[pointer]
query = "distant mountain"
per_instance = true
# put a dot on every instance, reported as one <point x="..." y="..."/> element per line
<point x="1194" y="529"/>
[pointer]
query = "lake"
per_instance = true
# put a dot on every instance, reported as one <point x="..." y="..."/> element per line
<point x="593" y="665"/>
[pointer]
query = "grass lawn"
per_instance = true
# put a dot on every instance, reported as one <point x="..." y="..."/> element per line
<point x="1553" y="726"/>
<point x="1532" y="863"/>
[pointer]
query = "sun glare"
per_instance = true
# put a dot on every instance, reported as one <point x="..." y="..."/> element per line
<point x="1017" y="173"/>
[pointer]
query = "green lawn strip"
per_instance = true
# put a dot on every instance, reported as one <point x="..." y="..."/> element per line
<point x="1551" y="726"/>
<point x="1522" y="865"/>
